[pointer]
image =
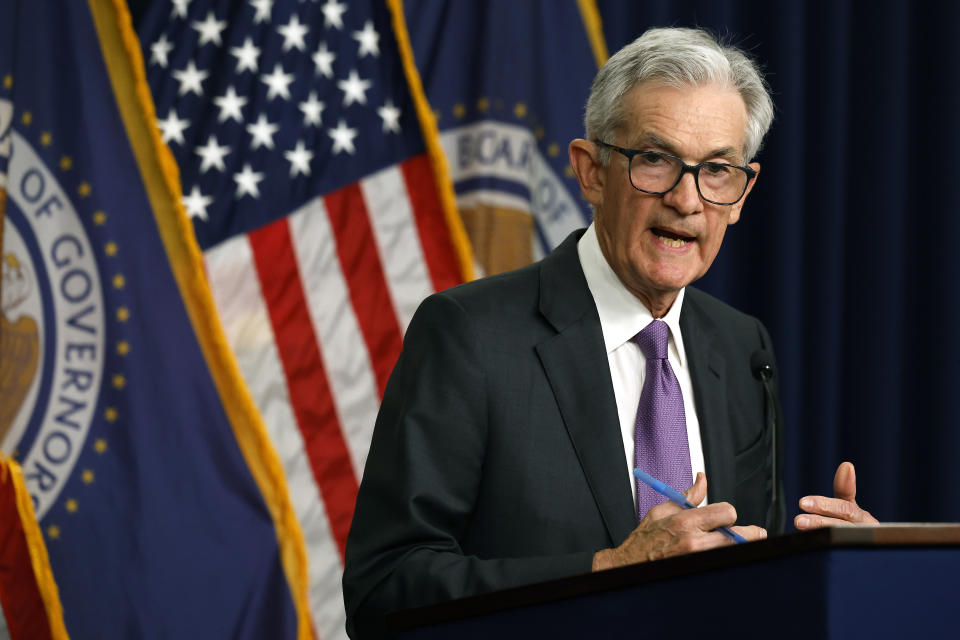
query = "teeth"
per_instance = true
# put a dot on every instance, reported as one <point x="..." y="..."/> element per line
<point x="676" y="243"/>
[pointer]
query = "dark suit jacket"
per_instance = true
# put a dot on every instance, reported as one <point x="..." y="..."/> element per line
<point x="497" y="458"/>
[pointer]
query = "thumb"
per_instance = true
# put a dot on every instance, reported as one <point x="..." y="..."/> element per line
<point x="845" y="482"/>
<point x="698" y="491"/>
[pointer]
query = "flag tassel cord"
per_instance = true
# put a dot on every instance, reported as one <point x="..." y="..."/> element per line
<point x="431" y="134"/>
<point x="594" y="26"/>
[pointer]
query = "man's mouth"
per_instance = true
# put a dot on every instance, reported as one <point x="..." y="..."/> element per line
<point x="672" y="238"/>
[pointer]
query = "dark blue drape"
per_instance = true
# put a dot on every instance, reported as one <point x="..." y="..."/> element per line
<point x="846" y="248"/>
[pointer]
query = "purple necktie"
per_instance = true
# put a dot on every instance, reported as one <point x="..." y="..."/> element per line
<point x="660" y="435"/>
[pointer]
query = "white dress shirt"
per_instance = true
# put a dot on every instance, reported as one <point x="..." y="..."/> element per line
<point x="622" y="316"/>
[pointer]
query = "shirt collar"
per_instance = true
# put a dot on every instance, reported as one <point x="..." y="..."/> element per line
<point x="622" y="315"/>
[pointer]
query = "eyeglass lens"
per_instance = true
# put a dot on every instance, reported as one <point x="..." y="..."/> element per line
<point x="720" y="183"/>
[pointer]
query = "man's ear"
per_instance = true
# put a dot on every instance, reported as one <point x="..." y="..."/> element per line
<point x="734" y="214"/>
<point x="590" y="173"/>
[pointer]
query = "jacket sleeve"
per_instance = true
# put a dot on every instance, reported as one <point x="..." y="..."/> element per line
<point x="422" y="478"/>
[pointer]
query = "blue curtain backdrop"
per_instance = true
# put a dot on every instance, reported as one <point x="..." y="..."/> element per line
<point x="847" y="246"/>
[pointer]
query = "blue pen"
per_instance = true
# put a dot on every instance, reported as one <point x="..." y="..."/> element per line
<point x="675" y="496"/>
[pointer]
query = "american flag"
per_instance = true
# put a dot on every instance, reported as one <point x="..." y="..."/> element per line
<point x="305" y="172"/>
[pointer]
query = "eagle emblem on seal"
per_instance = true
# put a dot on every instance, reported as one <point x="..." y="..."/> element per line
<point x="19" y="341"/>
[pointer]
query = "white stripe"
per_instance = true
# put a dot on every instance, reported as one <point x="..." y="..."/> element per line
<point x="245" y="319"/>
<point x="343" y="349"/>
<point x="398" y="242"/>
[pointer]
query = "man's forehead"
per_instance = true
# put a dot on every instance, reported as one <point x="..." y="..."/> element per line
<point x="711" y="118"/>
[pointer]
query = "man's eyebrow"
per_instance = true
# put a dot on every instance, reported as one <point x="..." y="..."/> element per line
<point x="648" y="139"/>
<point x="728" y="153"/>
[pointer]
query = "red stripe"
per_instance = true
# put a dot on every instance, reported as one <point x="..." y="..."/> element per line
<point x="435" y="237"/>
<point x="310" y="392"/>
<point x="19" y="593"/>
<point x="360" y="262"/>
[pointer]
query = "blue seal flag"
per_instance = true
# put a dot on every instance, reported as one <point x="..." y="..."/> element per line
<point x="508" y="82"/>
<point x="162" y="503"/>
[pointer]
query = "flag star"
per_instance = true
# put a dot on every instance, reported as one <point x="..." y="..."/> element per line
<point x="262" y="132"/>
<point x="333" y="14"/>
<point x="299" y="159"/>
<point x="354" y="89"/>
<point x="230" y="104"/>
<point x="323" y="59"/>
<point x="172" y="127"/>
<point x="159" y="51"/>
<point x="246" y="56"/>
<point x="390" y="116"/>
<point x="263" y="9"/>
<point x="180" y="8"/>
<point x="293" y="33"/>
<point x="210" y="29"/>
<point x="212" y="155"/>
<point x="343" y="138"/>
<point x="312" y="110"/>
<point x="190" y="79"/>
<point x="278" y="83"/>
<point x="196" y="203"/>
<point x="248" y="182"/>
<point x="368" y="39"/>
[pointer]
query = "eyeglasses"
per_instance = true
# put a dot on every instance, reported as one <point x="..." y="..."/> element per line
<point x="657" y="173"/>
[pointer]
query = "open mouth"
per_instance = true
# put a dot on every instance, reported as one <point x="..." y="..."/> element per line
<point x="671" y="238"/>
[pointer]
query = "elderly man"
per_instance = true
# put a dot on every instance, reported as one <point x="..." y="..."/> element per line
<point x="505" y="444"/>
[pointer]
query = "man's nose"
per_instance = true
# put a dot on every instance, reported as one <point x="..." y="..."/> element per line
<point x="684" y="197"/>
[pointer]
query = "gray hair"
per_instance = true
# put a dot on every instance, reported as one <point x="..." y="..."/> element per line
<point x="678" y="58"/>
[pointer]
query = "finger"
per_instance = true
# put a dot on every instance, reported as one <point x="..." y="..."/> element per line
<point x="751" y="532"/>
<point x="836" y="508"/>
<point x="715" y="538"/>
<point x="698" y="490"/>
<point x="845" y="482"/>
<point x="806" y="521"/>
<point x="702" y="542"/>
<point x="708" y="518"/>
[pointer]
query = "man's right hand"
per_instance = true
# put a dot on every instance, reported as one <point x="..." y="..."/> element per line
<point x="670" y="530"/>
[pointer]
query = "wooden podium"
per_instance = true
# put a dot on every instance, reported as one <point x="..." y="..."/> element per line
<point x="900" y="580"/>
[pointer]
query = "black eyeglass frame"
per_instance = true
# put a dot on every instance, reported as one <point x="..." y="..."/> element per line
<point x="684" y="169"/>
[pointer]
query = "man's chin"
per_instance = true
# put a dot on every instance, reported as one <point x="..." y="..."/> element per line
<point x="669" y="279"/>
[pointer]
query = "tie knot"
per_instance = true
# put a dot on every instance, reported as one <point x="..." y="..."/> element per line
<point x="653" y="340"/>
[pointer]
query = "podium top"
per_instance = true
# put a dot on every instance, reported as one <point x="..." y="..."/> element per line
<point x="874" y="536"/>
<point x="891" y="534"/>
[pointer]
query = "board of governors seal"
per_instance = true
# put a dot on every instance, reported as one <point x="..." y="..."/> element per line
<point x="51" y="322"/>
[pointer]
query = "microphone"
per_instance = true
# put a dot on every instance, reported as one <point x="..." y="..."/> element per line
<point x="761" y="363"/>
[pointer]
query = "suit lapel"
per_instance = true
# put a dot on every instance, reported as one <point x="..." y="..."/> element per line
<point x="576" y="367"/>
<point x="708" y="371"/>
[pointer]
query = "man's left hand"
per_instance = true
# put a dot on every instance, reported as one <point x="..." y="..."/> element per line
<point x="841" y="509"/>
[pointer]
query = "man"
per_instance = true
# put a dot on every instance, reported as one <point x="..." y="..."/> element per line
<point x="504" y="447"/>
